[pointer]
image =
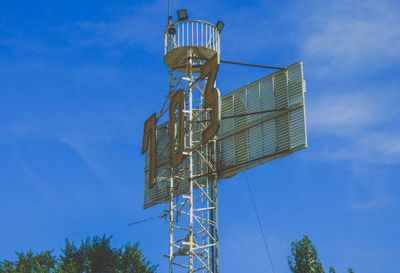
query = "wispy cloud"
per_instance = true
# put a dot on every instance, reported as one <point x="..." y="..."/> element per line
<point x="345" y="113"/>
<point x="81" y="150"/>
<point x="357" y="127"/>
<point x="36" y="182"/>
<point x="98" y="158"/>
<point x="377" y="202"/>
<point x="373" y="148"/>
<point x="357" y="119"/>
<point x="347" y="35"/>
<point x="135" y="26"/>
<point x="138" y="29"/>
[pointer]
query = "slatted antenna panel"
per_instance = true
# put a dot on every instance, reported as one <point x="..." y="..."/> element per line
<point x="261" y="121"/>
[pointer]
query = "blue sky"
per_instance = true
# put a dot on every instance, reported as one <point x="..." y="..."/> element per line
<point x="78" y="79"/>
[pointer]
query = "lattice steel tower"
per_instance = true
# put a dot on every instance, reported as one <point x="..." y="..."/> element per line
<point x="186" y="155"/>
<point x="192" y="53"/>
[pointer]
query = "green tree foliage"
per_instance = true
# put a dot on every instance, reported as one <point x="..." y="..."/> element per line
<point x="304" y="258"/>
<point x="43" y="262"/>
<point x="93" y="256"/>
<point x="73" y="259"/>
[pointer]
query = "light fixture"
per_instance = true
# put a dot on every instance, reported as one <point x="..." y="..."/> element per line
<point x="220" y="25"/>
<point x="182" y="15"/>
<point x="171" y="30"/>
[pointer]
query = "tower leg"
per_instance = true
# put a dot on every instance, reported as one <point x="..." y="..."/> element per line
<point x="171" y="222"/>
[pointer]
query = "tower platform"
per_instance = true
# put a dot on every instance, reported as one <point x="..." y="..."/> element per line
<point x="201" y="37"/>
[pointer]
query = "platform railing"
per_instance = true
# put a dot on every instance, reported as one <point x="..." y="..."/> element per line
<point x="192" y="33"/>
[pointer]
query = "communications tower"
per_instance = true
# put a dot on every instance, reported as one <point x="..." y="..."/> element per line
<point x="192" y="54"/>
<point x="187" y="155"/>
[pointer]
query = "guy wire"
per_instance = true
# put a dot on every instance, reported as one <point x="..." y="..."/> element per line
<point x="259" y="223"/>
<point x="148" y="219"/>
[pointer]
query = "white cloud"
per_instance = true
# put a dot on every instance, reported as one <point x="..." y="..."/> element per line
<point x="356" y="34"/>
<point x="345" y="113"/>
<point x="365" y="147"/>
<point x="356" y="127"/>
<point x="36" y="182"/>
<point x="357" y="120"/>
<point x="80" y="148"/>
<point x="137" y="27"/>
<point x="378" y="202"/>
<point x="391" y="145"/>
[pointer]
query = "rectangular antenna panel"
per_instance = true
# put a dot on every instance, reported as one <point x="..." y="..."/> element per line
<point x="261" y="121"/>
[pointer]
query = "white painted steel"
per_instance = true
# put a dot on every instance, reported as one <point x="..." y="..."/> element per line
<point x="189" y="187"/>
<point x="201" y="37"/>
<point x="188" y="33"/>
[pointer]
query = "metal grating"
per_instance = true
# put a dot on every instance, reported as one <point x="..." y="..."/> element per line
<point x="261" y="121"/>
<point x="159" y="193"/>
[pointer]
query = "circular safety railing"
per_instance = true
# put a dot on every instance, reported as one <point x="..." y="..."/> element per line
<point x="192" y="33"/>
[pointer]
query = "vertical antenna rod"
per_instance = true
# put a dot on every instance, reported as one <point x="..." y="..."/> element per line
<point x="169" y="12"/>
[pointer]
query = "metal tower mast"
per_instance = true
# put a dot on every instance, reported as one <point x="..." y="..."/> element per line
<point x="186" y="155"/>
<point x="193" y="213"/>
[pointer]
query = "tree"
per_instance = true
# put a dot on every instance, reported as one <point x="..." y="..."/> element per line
<point x="94" y="255"/>
<point x="132" y="261"/>
<point x="304" y="257"/>
<point x="73" y="259"/>
<point x="43" y="262"/>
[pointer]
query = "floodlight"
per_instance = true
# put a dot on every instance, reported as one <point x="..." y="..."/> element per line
<point x="182" y="15"/>
<point x="220" y="25"/>
<point x="171" y="30"/>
